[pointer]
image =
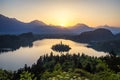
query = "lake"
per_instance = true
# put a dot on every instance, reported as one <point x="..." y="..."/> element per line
<point x="14" y="60"/>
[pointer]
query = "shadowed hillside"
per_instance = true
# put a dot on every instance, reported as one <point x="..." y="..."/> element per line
<point x="100" y="34"/>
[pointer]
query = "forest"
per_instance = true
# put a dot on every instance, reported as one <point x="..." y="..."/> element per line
<point x="68" y="67"/>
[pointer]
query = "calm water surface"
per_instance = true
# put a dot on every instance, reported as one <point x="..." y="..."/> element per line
<point x="29" y="55"/>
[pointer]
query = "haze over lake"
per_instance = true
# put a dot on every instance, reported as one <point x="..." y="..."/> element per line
<point x="29" y="55"/>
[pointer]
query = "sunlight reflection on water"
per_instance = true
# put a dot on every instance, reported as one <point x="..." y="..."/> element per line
<point x="29" y="55"/>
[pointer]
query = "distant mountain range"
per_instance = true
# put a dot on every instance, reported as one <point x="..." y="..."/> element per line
<point x="79" y="28"/>
<point x="14" y="26"/>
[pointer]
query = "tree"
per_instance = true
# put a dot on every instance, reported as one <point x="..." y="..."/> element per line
<point x="58" y="67"/>
<point x="25" y="75"/>
<point x="112" y="54"/>
<point x="61" y="47"/>
<point x="5" y="75"/>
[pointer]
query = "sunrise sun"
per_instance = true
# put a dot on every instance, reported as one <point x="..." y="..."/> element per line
<point x="62" y="18"/>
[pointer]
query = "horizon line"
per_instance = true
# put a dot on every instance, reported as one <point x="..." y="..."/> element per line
<point x="98" y="26"/>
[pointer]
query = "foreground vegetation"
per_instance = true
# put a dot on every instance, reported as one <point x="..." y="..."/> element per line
<point x="68" y="67"/>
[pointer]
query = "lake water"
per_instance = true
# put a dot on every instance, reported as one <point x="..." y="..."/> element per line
<point x="14" y="60"/>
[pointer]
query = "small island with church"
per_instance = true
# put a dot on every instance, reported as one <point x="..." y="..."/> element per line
<point x="61" y="47"/>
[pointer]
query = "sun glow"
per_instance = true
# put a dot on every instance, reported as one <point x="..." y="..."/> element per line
<point x="62" y="25"/>
<point x="63" y="18"/>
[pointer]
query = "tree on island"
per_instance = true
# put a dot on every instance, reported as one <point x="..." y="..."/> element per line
<point x="61" y="47"/>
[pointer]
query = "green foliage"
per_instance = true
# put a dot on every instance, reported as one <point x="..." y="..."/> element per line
<point x="83" y="73"/>
<point x="5" y="75"/>
<point x="106" y="75"/>
<point x="57" y="67"/>
<point x="101" y="66"/>
<point x="68" y="67"/>
<point x="25" y="75"/>
<point x="61" y="75"/>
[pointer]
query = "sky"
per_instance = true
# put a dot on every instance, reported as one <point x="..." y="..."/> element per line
<point x="64" y="12"/>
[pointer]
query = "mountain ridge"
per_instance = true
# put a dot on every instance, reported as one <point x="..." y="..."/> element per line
<point x="14" y="26"/>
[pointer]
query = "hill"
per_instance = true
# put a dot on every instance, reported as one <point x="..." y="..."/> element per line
<point x="100" y="34"/>
<point x="114" y="29"/>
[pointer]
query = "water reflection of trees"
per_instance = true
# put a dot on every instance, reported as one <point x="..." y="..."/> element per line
<point x="13" y="42"/>
<point x="14" y="47"/>
<point x="60" y="47"/>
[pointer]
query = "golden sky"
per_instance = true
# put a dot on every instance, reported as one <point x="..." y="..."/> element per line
<point x="64" y="12"/>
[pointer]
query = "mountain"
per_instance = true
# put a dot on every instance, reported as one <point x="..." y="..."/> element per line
<point x="14" y="26"/>
<point x="37" y="22"/>
<point x="114" y="29"/>
<point x="100" y="34"/>
<point x="117" y="36"/>
<point x="79" y="28"/>
<point x="11" y="25"/>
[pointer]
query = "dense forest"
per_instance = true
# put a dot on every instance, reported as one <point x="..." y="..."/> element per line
<point x="68" y="67"/>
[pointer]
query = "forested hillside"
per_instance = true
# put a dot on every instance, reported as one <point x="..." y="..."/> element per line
<point x="68" y="67"/>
